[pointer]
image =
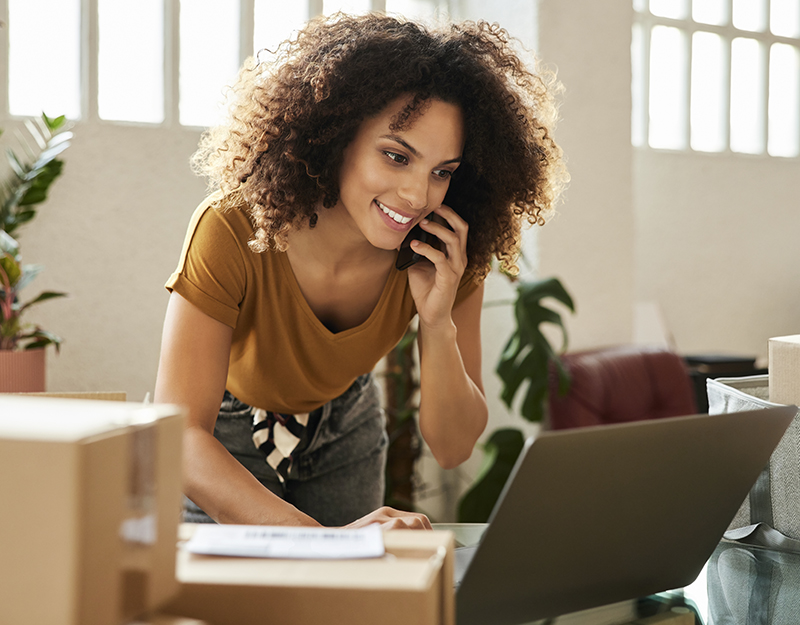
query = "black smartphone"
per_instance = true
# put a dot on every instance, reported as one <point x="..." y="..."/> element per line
<point x="407" y="256"/>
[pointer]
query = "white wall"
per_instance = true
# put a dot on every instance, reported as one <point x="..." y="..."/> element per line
<point x="110" y="235"/>
<point x="590" y="243"/>
<point x="717" y="248"/>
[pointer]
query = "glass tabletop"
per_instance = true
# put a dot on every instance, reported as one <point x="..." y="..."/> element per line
<point x="740" y="584"/>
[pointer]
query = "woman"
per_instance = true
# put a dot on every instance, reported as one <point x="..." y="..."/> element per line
<point x="287" y="291"/>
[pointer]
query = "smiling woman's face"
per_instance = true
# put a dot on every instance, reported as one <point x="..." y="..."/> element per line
<point x="390" y="180"/>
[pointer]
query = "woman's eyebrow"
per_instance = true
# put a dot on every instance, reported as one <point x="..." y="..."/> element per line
<point x="413" y="150"/>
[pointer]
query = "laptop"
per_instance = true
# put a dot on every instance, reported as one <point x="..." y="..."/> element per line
<point x="597" y="515"/>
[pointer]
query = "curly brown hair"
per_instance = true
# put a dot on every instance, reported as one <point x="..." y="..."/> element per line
<point x="291" y="117"/>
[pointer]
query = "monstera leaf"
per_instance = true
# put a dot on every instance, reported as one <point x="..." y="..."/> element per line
<point x="528" y="354"/>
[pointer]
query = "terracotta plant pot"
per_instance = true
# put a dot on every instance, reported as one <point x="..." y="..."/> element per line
<point x="22" y="371"/>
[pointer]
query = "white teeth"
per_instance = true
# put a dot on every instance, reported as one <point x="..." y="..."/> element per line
<point x="398" y="218"/>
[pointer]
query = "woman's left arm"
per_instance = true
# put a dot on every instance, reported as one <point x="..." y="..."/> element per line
<point x="453" y="411"/>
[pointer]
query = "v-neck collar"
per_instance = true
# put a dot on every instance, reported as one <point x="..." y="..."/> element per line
<point x="297" y="293"/>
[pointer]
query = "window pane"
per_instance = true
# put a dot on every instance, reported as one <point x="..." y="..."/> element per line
<point x="130" y="61"/>
<point x="750" y="15"/>
<point x="275" y="21"/>
<point x="44" y="57"/>
<point x="784" y="100"/>
<point x="209" y="57"/>
<point x="347" y="6"/>
<point x="668" y="88"/>
<point x="424" y="10"/>
<point x="709" y="79"/>
<point x="710" y="12"/>
<point x="637" y="87"/>
<point x="784" y="17"/>
<point x="676" y="9"/>
<point x="747" y="91"/>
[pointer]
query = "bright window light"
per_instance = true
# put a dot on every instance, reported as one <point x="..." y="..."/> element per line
<point x="708" y="121"/>
<point x="130" y="61"/>
<point x="668" y="88"/>
<point x="44" y="57"/>
<point x="710" y="11"/>
<point x="638" y="122"/>
<point x="750" y="15"/>
<point x="784" y="100"/>
<point x="422" y="10"/>
<point x="276" y="20"/>
<point x="784" y="19"/>
<point x="353" y="7"/>
<point x="675" y="9"/>
<point x="209" y="58"/>
<point x="747" y="102"/>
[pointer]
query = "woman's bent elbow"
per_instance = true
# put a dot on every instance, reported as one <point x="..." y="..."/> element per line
<point x="452" y="458"/>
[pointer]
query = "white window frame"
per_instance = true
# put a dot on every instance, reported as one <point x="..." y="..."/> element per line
<point x="89" y="56"/>
<point x="645" y="21"/>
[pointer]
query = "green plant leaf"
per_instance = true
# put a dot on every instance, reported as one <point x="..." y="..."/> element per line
<point x="19" y="169"/>
<point x="24" y="216"/>
<point x="41" y="338"/>
<point x="548" y="287"/>
<point x="8" y="244"/>
<point x="28" y="273"/>
<point x="500" y="454"/>
<point x="517" y="374"/>
<point x="528" y="353"/>
<point x="49" y="154"/>
<point x="11" y="271"/>
<point x="37" y="135"/>
<point x="54" y="123"/>
<point x="42" y="297"/>
<point x="46" y="139"/>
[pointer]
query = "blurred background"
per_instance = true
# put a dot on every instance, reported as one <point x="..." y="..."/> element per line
<point x="679" y="123"/>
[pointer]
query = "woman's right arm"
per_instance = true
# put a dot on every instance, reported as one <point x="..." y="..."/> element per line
<point x="192" y="372"/>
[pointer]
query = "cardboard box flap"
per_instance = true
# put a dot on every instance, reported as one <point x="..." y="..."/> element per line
<point x="71" y="420"/>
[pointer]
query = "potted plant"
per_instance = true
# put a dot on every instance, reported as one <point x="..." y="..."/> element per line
<point x="527" y="357"/>
<point x="22" y="346"/>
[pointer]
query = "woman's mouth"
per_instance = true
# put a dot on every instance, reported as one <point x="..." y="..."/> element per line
<point x="396" y="217"/>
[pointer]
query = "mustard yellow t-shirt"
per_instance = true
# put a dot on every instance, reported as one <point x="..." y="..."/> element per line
<point x="283" y="359"/>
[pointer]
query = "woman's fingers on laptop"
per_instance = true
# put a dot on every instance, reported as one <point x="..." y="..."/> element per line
<point x="391" y="519"/>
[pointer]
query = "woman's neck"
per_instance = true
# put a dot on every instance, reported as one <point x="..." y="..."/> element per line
<point x="336" y="243"/>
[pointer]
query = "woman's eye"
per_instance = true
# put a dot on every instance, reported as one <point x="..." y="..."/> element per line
<point x="442" y="173"/>
<point x="397" y="158"/>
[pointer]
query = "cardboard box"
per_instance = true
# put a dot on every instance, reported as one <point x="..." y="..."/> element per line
<point x="413" y="583"/>
<point x="104" y="395"/>
<point x="91" y="495"/>
<point x="784" y="369"/>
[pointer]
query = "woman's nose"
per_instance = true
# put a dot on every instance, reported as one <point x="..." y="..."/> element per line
<point x="414" y="190"/>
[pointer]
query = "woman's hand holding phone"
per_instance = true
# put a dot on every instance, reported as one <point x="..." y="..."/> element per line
<point x="434" y="284"/>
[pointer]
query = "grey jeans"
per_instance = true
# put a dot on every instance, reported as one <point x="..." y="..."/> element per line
<point x="338" y="478"/>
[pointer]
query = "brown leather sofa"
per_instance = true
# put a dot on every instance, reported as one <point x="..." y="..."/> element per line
<point x="620" y="384"/>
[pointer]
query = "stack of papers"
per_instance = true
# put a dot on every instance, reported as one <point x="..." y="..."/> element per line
<point x="258" y="541"/>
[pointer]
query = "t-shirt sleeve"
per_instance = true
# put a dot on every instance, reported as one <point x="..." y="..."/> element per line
<point x="211" y="273"/>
